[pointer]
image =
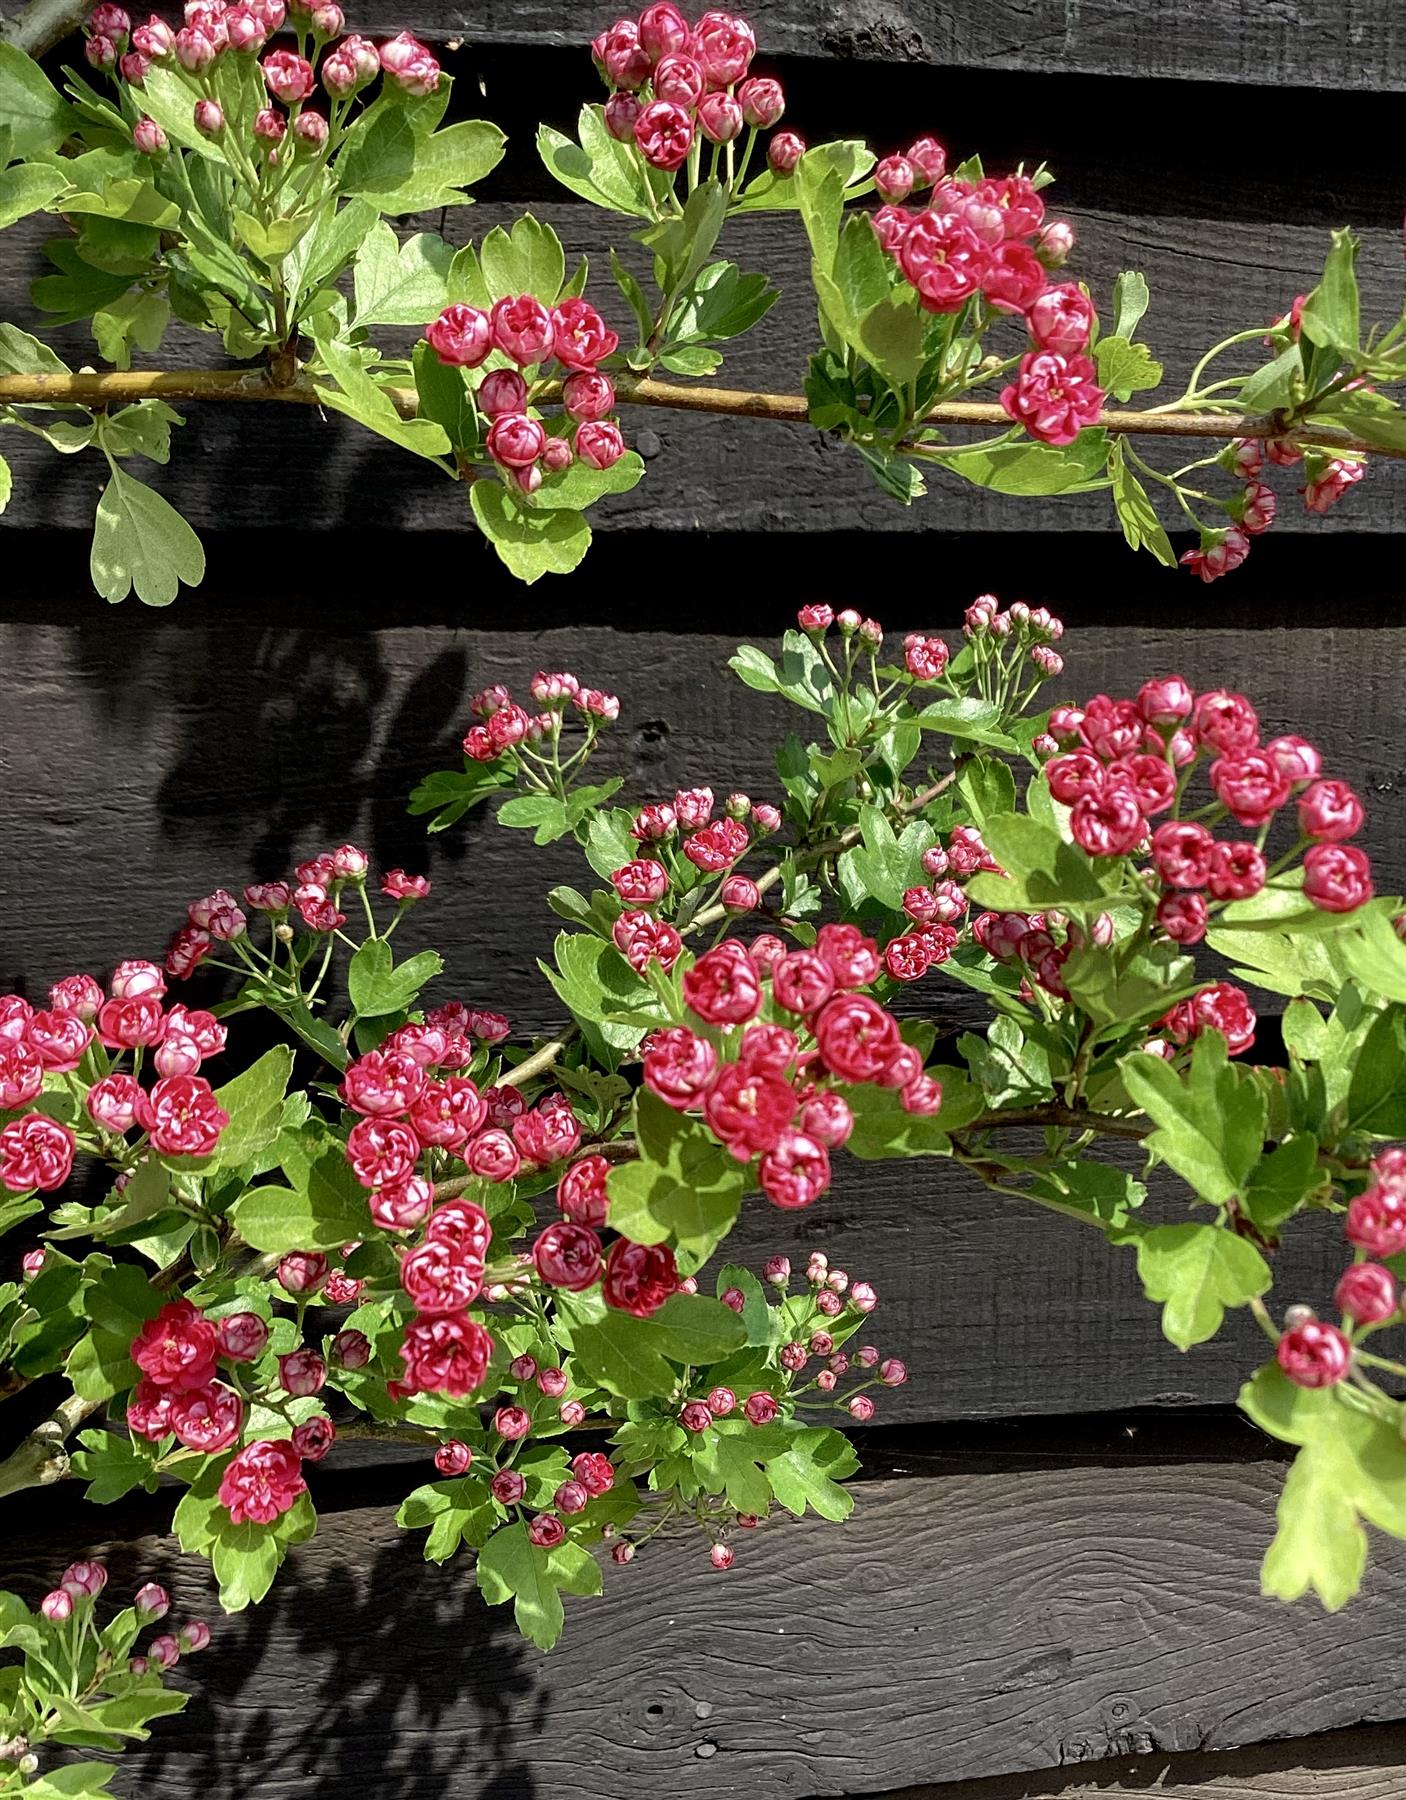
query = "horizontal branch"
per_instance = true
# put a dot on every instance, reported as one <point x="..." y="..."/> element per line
<point x="1059" y="1117"/>
<point x="123" y="387"/>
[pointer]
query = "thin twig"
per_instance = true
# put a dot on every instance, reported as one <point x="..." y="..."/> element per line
<point x="1063" y="1117"/>
<point x="123" y="387"/>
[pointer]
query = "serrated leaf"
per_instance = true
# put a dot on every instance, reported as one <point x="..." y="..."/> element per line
<point x="330" y="1210"/>
<point x="1349" y="1469"/>
<point x="1209" y="1124"/>
<point x="401" y="284"/>
<point x="378" y="985"/>
<point x="531" y="542"/>
<point x="1125" y="369"/>
<point x="1197" y="1271"/>
<point x="1136" y="514"/>
<point x="1130" y="302"/>
<point x="511" y="1567"/>
<point x="357" y="395"/>
<point x="528" y="259"/>
<point x="597" y="168"/>
<point x="807" y="1474"/>
<point x="1330" y="315"/>
<point x="1023" y="467"/>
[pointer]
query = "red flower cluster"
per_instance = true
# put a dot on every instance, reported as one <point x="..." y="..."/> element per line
<point x="527" y="334"/>
<point x="213" y="28"/>
<point x="444" y="1349"/>
<point x="672" y="82"/>
<point x="410" y="1101"/>
<point x="988" y="240"/>
<point x="772" y="1094"/>
<point x="1253" y="510"/>
<point x="506" y="726"/>
<point x="85" y="1032"/>
<point x="180" y="1393"/>
<point x="1122" y="763"/>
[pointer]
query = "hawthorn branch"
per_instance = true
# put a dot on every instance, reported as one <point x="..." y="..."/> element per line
<point x="123" y="387"/>
<point x="42" y="1457"/>
<point x="1060" y="1117"/>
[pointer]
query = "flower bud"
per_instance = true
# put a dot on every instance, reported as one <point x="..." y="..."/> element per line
<point x="163" y="1652"/>
<point x="720" y="118"/>
<point x="57" y="1607"/>
<point x="894" y="179"/>
<point x="453" y="1457"/>
<point x="507" y="1487"/>
<point x="152" y="1602"/>
<point x="209" y="118"/>
<point x="572" y="1413"/>
<point x="351" y="1350"/>
<point x="100" y="53"/>
<point x="622" y="1552"/>
<point x="784" y="151"/>
<point x="302" y="1271"/>
<point x="148" y="137"/>
<point x="310" y="129"/>
<point x="302" y="1372"/>
<point x="84" y="1580"/>
<point x="269" y="126"/>
<point x="722" y="1556"/>
<point x="763" y="102"/>
<point x="194" y="1636"/>
<point x="571" y="1497"/>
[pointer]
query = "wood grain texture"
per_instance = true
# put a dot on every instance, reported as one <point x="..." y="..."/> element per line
<point x="957" y="1628"/>
<point x="1298" y="43"/>
<point x="231" y="467"/>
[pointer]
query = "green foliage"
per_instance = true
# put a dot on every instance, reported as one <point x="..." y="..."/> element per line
<point x="1348" y="1472"/>
<point x="1196" y="1271"/>
<point x="141" y="542"/>
<point x="1210" y="1123"/>
<point x="511" y="1567"/>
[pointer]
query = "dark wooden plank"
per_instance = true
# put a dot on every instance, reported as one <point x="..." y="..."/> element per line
<point x="1311" y="43"/>
<point x="1368" y="1764"/>
<point x="958" y="1628"/>
<point x="231" y="466"/>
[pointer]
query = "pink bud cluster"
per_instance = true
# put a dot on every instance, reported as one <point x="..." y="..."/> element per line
<point x="506" y="725"/>
<point x="77" y="1593"/>
<point x="213" y="29"/>
<point x="312" y="894"/>
<point x="673" y="84"/>
<point x="521" y="336"/>
<point x="987" y="240"/>
<point x="1254" y="509"/>
<point x="1314" y="1354"/>
<point x="1121" y="764"/>
<point x="410" y="1102"/>
<point x="84" y="1033"/>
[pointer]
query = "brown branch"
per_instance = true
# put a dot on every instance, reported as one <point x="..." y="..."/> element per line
<point x="123" y="387"/>
<point x="1063" y="1117"/>
<point x="42" y="1457"/>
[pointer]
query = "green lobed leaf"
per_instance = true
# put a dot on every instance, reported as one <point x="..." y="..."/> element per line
<point x="1024" y="467"/>
<point x="400" y="284"/>
<point x="685" y="1188"/>
<point x="531" y="541"/>
<point x="254" y="1102"/>
<point x="357" y="395"/>
<point x="1330" y="317"/>
<point x="807" y="1474"/>
<point x="511" y="1567"/>
<point x="450" y="793"/>
<point x="378" y="985"/>
<point x="1210" y="1123"/>
<point x="1281" y="1181"/>
<point x="1376" y="1095"/>
<point x="528" y="259"/>
<point x="1125" y="369"/>
<point x="1136" y="513"/>
<point x="328" y="1211"/>
<point x="1196" y="1271"/>
<point x="1349" y="1470"/>
<point x="1042" y="870"/>
<point x="597" y="168"/>
<point x="36" y="114"/>
<point x="141" y="542"/>
<point x="882" y="1129"/>
<point x="1130" y="302"/>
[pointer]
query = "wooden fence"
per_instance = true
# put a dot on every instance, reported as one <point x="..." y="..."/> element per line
<point x="1054" y="1560"/>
